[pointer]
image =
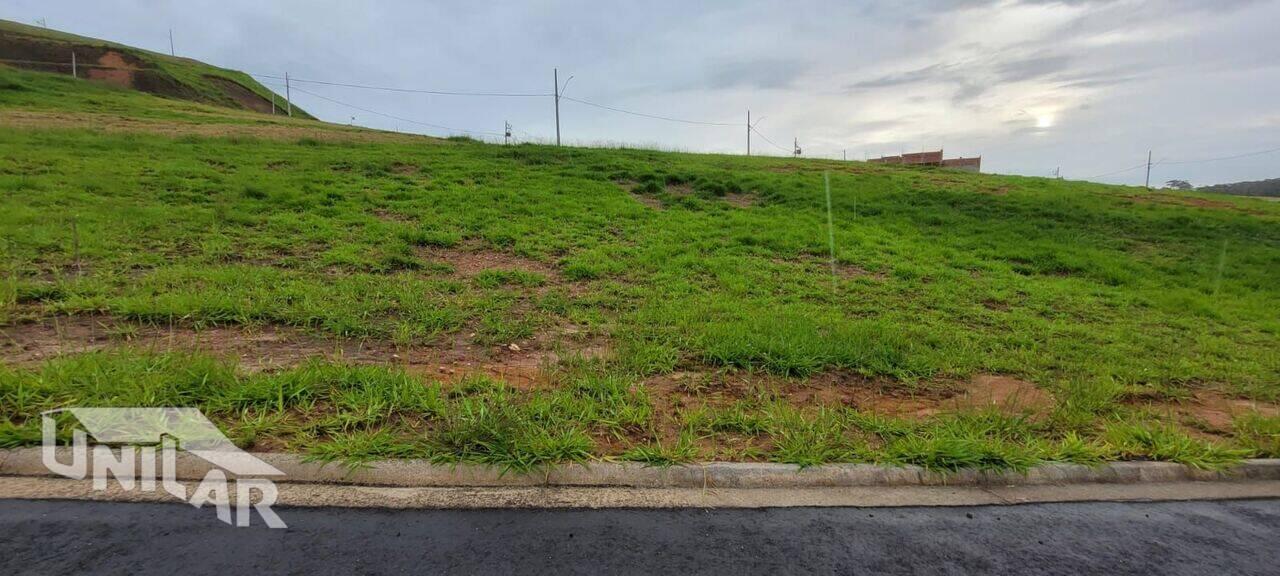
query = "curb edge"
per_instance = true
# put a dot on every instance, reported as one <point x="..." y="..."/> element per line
<point x="421" y="473"/>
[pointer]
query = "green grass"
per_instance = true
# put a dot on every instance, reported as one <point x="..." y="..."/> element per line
<point x="190" y="76"/>
<point x="1096" y="293"/>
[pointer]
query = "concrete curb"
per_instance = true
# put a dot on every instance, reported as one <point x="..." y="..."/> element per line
<point x="420" y="473"/>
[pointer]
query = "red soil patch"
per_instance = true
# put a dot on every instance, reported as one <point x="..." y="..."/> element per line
<point x="873" y="395"/>
<point x="469" y="260"/>
<point x="273" y="347"/>
<point x="816" y="264"/>
<point x="1004" y="393"/>
<point x="883" y="396"/>
<point x="245" y="97"/>
<point x="1218" y="411"/>
<point x="223" y="124"/>
<point x="118" y="70"/>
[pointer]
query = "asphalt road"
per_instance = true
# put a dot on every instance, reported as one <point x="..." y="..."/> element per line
<point x="1225" y="537"/>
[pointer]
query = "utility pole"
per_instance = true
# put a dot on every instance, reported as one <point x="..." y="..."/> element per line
<point x="555" y="77"/>
<point x="559" y="92"/>
<point x="73" y="66"/>
<point x="288" y="98"/>
<point x="844" y="154"/>
<point x="507" y="137"/>
<point x="1148" y="184"/>
<point x="171" y="52"/>
<point x="796" y="143"/>
<point x="748" y="132"/>
<point x="273" y="102"/>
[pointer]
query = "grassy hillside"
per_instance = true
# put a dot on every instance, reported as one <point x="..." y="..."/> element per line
<point x="355" y="295"/>
<point x="1267" y="188"/>
<point x="47" y="50"/>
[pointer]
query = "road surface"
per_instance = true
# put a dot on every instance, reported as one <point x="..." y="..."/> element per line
<point x="1222" y="537"/>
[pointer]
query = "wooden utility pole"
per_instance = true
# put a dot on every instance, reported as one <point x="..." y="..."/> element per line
<point x="748" y="132"/>
<point x="1148" y="185"/>
<point x="288" y="98"/>
<point x="171" y="52"/>
<point x="73" y="66"/>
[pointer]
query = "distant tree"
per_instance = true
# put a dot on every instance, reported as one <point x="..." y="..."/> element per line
<point x="1178" y="185"/>
<point x="1268" y="188"/>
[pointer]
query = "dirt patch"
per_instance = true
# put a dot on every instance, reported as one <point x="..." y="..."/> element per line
<point x="115" y="69"/>
<point x="838" y="388"/>
<point x="848" y="271"/>
<point x="650" y="201"/>
<point x="740" y="200"/>
<point x="405" y="169"/>
<point x="633" y="188"/>
<point x="995" y="305"/>
<point x="881" y="396"/>
<point x="1004" y="393"/>
<point x="246" y="98"/>
<point x="94" y="62"/>
<point x="1218" y="411"/>
<point x="472" y="258"/>
<point x="680" y="190"/>
<point x="389" y="216"/>
<point x="529" y="364"/>
<point x="1178" y="200"/>
<point x="819" y="265"/>
<point x="227" y="124"/>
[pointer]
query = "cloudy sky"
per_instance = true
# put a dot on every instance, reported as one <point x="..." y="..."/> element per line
<point x="1031" y="85"/>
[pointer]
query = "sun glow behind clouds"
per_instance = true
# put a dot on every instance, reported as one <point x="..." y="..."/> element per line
<point x="1044" y="121"/>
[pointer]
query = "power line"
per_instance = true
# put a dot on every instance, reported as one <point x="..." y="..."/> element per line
<point x="411" y="90"/>
<point x="1129" y="169"/>
<point x="1184" y="162"/>
<point x="771" y="142"/>
<point x="1245" y="155"/>
<point x="577" y="100"/>
<point x="643" y="115"/>
<point x="399" y="118"/>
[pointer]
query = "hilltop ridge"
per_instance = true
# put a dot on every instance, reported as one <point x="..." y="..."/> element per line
<point x="35" y="48"/>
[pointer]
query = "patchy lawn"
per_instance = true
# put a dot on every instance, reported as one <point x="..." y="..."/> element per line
<point x="357" y="297"/>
